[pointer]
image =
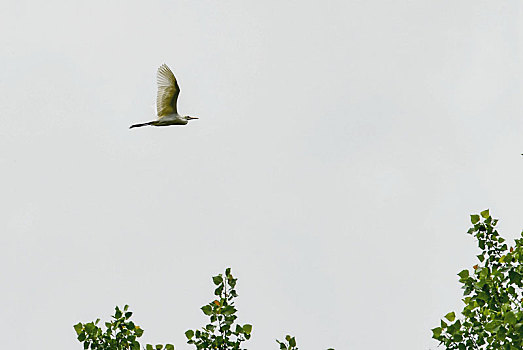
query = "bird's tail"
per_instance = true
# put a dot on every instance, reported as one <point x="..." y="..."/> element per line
<point x="142" y="124"/>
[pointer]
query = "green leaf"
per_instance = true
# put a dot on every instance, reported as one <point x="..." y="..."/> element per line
<point x="78" y="328"/>
<point x="491" y="326"/>
<point x="451" y="316"/>
<point x="282" y="345"/>
<point x="474" y="219"/>
<point x="217" y="280"/>
<point x="90" y="328"/>
<point x="207" y="309"/>
<point x="169" y="347"/>
<point x="149" y="347"/>
<point x="159" y="347"/>
<point x="292" y="342"/>
<point x="481" y="244"/>
<point x="436" y="332"/>
<point x="247" y="328"/>
<point x="218" y="290"/>
<point x="464" y="274"/>
<point x="82" y="336"/>
<point x="228" y="310"/>
<point x="510" y="318"/>
<point x="457" y="337"/>
<point x="515" y="277"/>
<point x="485" y="214"/>
<point x="189" y="334"/>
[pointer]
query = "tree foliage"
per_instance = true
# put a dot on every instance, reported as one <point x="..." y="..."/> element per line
<point x="120" y="333"/>
<point x="221" y="333"/>
<point x="288" y="344"/>
<point x="492" y="317"/>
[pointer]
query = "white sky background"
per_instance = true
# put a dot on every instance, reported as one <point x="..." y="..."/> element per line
<point x="342" y="146"/>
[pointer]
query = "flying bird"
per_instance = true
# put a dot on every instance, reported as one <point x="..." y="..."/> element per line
<point x="166" y="98"/>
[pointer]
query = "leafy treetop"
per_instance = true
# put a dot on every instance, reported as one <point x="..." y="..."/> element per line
<point x="221" y="333"/>
<point x="492" y="317"/>
<point x="120" y="333"/>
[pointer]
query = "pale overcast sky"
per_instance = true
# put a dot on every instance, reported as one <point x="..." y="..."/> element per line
<point x="340" y="149"/>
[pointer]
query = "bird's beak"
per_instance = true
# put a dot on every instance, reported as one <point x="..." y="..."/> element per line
<point x="192" y="118"/>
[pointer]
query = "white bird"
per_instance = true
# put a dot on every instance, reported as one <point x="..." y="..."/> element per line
<point x="168" y="91"/>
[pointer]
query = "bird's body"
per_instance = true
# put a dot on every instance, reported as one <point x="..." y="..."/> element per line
<point x="170" y="119"/>
<point x="167" y="96"/>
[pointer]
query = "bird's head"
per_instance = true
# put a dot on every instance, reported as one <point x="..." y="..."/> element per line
<point x="188" y="117"/>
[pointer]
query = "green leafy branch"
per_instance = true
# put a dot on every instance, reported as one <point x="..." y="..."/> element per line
<point x="492" y="289"/>
<point x="120" y="333"/>
<point x="221" y="332"/>
<point x="288" y="344"/>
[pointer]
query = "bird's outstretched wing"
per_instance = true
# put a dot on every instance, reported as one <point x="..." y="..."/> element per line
<point x="168" y="91"/>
